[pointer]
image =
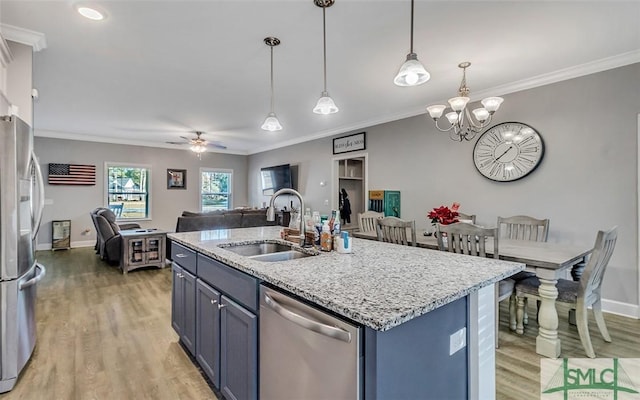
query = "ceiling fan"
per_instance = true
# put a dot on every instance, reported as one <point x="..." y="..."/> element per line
<point x="198" y="144"/>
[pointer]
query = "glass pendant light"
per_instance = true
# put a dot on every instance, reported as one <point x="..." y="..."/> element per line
<point x="325" y="104"/>
<point x="271" y="123"/>
<point x="412" y="72"/>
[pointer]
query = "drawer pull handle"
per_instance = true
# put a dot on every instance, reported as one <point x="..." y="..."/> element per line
<point x="213" y="301"/>
<point x="181" y="255"/>
<point x="179" y="275"/>
<point x="221" y="306"/>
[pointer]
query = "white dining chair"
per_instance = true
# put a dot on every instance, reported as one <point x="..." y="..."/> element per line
<point x="394" y="230"/>
<point x="465" y="238"/>
<point x="367" y="220"/>
<point x="579" y="295"/>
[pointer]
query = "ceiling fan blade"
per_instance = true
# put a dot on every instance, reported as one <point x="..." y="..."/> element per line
<point x="176" y="142"/>
<point x="186" y="138"/>
<point x="217" y="145"/>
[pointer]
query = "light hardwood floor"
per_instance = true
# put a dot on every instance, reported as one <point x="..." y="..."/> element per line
<point x="105" y="335"/>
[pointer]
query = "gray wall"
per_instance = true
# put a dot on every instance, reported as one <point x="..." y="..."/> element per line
<point x="75" y="202"/>
<point x="587" y="180"/>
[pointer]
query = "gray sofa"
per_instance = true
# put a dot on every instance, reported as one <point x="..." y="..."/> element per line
<point x="241" y="218"/>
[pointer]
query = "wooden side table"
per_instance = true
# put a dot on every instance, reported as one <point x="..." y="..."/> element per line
<point x="142" y="248"/>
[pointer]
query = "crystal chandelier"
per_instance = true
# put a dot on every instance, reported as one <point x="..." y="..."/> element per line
<point x="462" y="125"/>
<point x="271" y="123"/>
<point x="412" y="72"/>
<point x="325" y="104"/>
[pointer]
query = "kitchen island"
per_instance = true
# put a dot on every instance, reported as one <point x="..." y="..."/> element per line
<point x="412" y="304"/>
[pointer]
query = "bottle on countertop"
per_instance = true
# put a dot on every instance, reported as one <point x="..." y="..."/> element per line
<point x="326" y="239"/>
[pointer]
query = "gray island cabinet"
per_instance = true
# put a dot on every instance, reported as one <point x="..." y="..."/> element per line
<point x="426" y="317"/>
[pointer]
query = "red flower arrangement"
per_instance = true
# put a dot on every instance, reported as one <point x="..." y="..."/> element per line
<point x="444" y="215"/>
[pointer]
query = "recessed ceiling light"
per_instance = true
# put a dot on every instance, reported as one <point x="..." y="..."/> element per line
<point x="91" y="13"/>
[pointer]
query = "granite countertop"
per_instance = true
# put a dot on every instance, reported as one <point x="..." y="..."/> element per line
<point x="379" y="285"/>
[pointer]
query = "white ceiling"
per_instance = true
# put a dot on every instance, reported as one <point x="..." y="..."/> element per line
<point x="155" y="70"/>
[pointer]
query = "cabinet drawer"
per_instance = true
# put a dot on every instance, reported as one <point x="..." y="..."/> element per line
<point x="239" y="286"/>
<point x="184" y="257"/>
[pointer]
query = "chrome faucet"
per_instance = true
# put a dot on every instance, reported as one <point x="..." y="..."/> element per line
<point x="271" y="211"/>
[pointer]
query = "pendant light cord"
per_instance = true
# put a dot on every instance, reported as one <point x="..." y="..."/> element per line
<point x="411" y="26"/>
<point x="271" y="78"/>
<point x="324" y="43"/>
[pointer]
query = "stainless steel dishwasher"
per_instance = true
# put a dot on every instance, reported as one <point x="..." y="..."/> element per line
<point x="306" y="353"/>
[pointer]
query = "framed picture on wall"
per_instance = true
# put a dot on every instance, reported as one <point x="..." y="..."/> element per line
<point x="176" y="178"/>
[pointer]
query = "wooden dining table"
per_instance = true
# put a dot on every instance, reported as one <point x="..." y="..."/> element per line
<point x="549" y="261"/>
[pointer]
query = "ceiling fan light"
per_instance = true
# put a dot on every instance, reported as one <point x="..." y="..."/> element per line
<point x="412" y="72"/>
<point x="436" y="111"/>
<point x="198" y="148"/>
<point x="325" y="105"/>
<point x="492" y="103"/>
<point x="271" y="123"/>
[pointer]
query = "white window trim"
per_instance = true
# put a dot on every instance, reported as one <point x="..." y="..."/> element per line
<point x="222" y="170"/>
<point x="105" y="194"/>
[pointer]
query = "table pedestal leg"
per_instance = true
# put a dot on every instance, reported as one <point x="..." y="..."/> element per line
<point x="547" y="342"/>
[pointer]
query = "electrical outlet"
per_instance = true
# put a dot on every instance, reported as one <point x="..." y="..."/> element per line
<point x="457" y="341"/>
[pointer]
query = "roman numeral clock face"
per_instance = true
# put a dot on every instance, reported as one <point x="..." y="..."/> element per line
<point x="508" y="151"/>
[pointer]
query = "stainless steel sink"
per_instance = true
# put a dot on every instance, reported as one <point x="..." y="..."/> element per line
<point x="268" y="252"/>
<point x="281" y="256"/>
<point x="255" y="249"/>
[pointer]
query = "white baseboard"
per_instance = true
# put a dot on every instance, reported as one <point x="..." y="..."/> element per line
<point x="81" y="243"/>
<point x="619" y="308"/>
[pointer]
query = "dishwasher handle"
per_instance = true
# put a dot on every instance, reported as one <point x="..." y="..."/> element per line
<point x="323" y="329"/>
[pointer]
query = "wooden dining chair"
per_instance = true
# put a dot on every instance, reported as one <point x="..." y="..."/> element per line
<point x="579" y="295"/>
<point x="367" y="220"/>
<point x="471" y="217"/>
<point x="522" y="227"/>
<point x="394" y="230"/>
<point x="470" y="239"/>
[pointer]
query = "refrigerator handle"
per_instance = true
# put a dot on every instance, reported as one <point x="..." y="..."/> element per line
<point x="41" y="273"/>
<point x="40" y="187"/>
<point x="326" y="330"/>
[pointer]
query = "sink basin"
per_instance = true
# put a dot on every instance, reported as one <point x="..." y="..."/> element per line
<point x="267" y="252"/>
<point x="256" y="249"/>
<point x="281" y="256"/>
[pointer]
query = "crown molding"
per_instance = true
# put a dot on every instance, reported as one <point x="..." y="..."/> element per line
<point x="31" y="38"/>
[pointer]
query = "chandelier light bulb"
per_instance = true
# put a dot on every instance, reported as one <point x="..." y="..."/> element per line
<point x="452" y="117"/>
<point x="458" y="103"/>
<point x="481" y="114"/>
<point x="492" y="103"/>
<point x="436" y="111"/>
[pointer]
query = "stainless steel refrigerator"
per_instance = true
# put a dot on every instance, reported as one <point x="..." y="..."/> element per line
<point x="21" y="206"/>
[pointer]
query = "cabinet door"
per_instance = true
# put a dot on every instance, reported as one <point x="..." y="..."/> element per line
<point x="208" y="331"/>
<point x="189" y="312"/>
<point x="177" y="300"/>
<point x="238" y="351"/>
<point x="153" y="249"/>
<point x="136" y="252"/>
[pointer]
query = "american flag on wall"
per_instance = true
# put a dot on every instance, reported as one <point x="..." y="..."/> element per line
<point x="72" y="174"/>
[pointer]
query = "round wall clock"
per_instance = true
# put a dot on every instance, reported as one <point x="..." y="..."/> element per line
<point x="508" y="151"/>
